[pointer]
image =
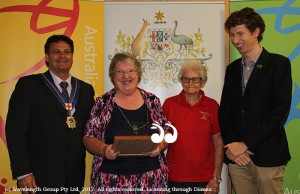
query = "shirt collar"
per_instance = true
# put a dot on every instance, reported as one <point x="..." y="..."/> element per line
<point x="57" y="80"/>
<point x="255" y="58"/>
<point x="182" y="99"/>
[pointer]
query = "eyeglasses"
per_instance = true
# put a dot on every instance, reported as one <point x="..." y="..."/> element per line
<point x="194" y="79"/>
<point x="128" y="71"/>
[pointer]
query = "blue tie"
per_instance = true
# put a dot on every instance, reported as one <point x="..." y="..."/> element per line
<point x="64" y="91"/>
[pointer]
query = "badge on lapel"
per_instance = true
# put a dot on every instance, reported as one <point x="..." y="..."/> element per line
<point x="259" y="66"/>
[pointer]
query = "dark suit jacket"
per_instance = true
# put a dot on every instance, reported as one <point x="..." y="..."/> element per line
<point x="258" y="117"/>
<point x="38" y="138"/>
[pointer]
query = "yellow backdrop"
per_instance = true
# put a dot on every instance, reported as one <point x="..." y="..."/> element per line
<point x="25" y="26"/>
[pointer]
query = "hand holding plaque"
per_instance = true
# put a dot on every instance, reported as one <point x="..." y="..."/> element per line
<point x="133" y="145"/>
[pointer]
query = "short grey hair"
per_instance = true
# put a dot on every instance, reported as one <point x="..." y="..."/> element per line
<point x="193" y="65"/>
<point x="122" y="57"/>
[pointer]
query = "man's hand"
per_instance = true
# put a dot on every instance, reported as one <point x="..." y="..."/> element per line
<point x="28" y="182"/>
<point x="235" y="149"/>
<point x="243" y="159"/>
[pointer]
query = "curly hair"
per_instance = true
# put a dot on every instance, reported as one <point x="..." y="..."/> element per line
<point x="249" y="18"/>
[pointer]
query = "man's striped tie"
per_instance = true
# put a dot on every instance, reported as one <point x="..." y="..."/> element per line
<point x="64" y="91"/>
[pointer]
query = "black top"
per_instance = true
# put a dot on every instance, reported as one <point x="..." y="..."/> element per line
<point x="140" y="120"/>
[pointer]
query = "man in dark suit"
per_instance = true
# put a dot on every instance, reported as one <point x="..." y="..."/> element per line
<point x="255" y="104"/>
<point x="45" y="124"/>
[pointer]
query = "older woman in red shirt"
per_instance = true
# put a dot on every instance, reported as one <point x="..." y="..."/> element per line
<point x="196" y="157"/>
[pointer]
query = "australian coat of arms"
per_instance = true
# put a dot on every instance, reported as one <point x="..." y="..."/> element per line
<point x="162" y="51"/>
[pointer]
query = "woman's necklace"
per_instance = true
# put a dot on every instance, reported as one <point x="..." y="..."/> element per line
<point x="134" y="127"/>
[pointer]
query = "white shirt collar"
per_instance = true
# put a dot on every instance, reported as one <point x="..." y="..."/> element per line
<point x="57" y="81"/>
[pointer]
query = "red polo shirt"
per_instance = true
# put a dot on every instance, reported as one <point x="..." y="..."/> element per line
<point x="191" y="156"/>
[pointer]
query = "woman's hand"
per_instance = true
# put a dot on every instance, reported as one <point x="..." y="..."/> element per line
<point x="155" y="152"/>
<point x="109" y="153"/>
<point x="212" y="187"/>
<point x="162" y="146"/>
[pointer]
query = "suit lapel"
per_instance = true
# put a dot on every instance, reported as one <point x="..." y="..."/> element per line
<point x="49" y="77"/>
<point x="258" y="69"/>
<point x="236" y="76"/>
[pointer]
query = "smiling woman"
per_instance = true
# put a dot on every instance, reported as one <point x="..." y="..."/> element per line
<point x="195" y="117"/>
<point x="124" y="58"/>
<point x="126" y="110"/>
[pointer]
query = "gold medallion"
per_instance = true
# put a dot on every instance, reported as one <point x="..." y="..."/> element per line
<point x="71" y="122"/>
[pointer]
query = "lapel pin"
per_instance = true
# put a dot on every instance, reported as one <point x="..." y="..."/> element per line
<point x="258" y="66"/>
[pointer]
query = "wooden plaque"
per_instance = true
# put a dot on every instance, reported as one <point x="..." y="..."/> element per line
<point x="133" y="145"/>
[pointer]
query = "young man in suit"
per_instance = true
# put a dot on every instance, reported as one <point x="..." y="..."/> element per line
<point x="255" y="104"/>
<point x="45" y="124"/>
